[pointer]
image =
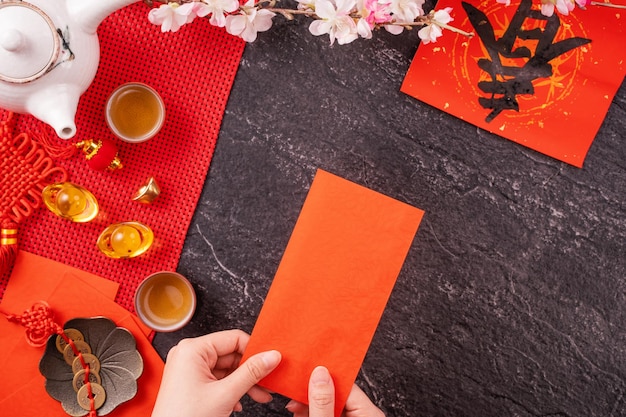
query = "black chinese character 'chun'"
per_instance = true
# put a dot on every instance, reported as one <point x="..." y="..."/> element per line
<point x="509" y="81"/>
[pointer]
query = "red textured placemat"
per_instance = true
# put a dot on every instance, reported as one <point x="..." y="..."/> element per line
<point x="193" y="69"/>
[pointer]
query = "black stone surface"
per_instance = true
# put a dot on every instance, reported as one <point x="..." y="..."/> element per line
<point x="512" y="298"/>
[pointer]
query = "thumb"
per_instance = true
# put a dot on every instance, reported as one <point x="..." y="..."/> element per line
<point x="250" y="373"/>
<point x="321" y="393"/>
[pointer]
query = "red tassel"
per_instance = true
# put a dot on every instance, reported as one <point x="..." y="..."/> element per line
<point x="8" y="229"/>
<point x="28" y="170"/>
<point x="8" y="246"/>
<point x="55" y="151"/>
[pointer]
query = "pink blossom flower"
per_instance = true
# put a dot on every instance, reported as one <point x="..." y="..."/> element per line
<point x="431" y="32"/>
<point x="335" y="20"/>
<point x="562" y="6"/>
<point x="378" y="11"/>
<point x="249" y="21"/>
<point x="371" y="12"/>
<point x="172" y="16"/>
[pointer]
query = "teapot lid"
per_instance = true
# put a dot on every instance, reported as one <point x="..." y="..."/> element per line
<point x="29" y="43"/>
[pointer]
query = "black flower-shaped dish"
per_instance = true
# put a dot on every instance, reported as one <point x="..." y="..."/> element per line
<point x="120" y="365"/>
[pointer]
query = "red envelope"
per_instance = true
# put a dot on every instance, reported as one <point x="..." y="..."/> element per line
<point x="332" y="284"/>
<point x="71" y="293"/>
<point x="30" y="269"/>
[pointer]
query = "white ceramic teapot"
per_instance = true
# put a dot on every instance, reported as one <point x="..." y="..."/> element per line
<point x="49" y="54"/>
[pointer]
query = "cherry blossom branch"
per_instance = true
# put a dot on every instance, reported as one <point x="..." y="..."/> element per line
<point x="427" y="21"/>
<point x="420" y="20"/>
<point x="342" y="20"/>
<point x="615" y="6"/>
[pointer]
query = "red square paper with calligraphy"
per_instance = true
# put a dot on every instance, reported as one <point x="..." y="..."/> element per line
<point x="545" y="83"/>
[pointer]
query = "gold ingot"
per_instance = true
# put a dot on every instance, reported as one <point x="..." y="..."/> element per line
<point x="125" y="240"/>
<point x="70" y="201"/>
<point x="148" y="192"/>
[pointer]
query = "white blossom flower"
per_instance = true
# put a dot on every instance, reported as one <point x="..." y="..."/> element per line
<point x="172" y="16"/>
<point x="363" y="29"/>
<point x="335" y="20"/>
<point x="249" y="21"/>
<point x="217" y="9"/>
<point x="431" y="32"/>
<point x="404" y="11"/>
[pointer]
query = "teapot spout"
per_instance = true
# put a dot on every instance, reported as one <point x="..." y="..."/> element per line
<point x="56" y="106"/>
<point x="90" y="13"/>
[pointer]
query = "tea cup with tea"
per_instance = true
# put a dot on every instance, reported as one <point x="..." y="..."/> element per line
<point x="135" y="112"/>
<point x="165" y="301"/>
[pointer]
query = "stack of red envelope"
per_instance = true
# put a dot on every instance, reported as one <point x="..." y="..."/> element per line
<point x="71" y="293"/>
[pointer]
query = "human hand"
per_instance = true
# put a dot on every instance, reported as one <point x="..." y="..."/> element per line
<point x="322" y="399"/>
<point x="202" y="377"/>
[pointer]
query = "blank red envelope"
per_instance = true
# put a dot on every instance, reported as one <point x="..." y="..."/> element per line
<point x="332" y="284"/>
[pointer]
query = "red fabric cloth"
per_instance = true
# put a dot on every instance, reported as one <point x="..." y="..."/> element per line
<point x="193" y="70"/>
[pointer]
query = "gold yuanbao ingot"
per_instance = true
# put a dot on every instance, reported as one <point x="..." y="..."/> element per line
<point x="148" y="192"/>
<point x="70" y="201"/>
<point x="125" y="240"/>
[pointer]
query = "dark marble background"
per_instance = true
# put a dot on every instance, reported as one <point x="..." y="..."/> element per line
<point x="512" y="298"/>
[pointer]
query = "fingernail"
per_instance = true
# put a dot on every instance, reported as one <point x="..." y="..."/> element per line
<point x="290" y="405"/>
<point x="271" y="358"/>
<point x="320" y="376"/>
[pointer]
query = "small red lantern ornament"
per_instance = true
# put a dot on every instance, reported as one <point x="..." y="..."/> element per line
<point x="100" y="154"/>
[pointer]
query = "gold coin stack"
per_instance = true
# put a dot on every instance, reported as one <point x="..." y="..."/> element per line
<point x="86" y="369"/>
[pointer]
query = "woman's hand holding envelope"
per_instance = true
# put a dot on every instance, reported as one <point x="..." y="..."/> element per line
<point x="203" y="378"/>
<point x="322" y="399"/>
